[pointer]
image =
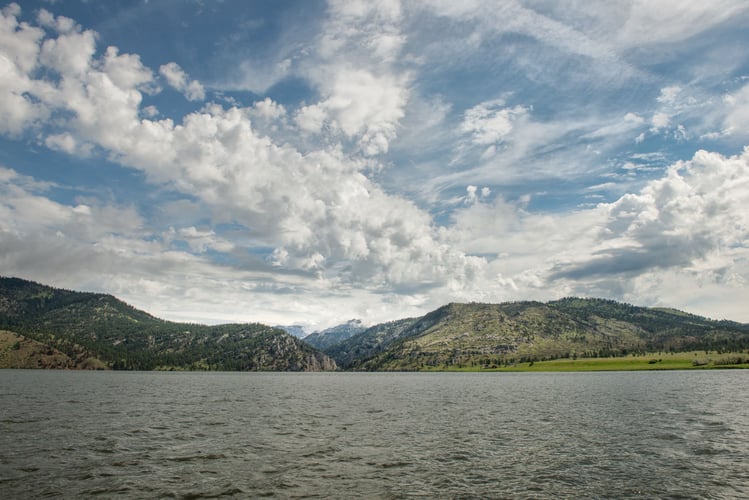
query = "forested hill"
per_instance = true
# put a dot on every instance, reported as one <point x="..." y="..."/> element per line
<point x="493" y="335"/>
<point x="98" y="330"/>
<point x="47" y="327"/>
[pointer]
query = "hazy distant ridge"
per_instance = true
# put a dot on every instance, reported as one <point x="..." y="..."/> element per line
<point x="335" y="335"/>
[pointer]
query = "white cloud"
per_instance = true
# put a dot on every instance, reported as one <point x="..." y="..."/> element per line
<point x="660" y="121"/>
<point x="615" y="128"/>
<point x="634" y="118"/>
<point x="363" y="95"/>
<point x="488" y="20"/>
<point x="311" y="118"/>
<point x="316" y="230"/>
<point x="150" y="111"/>
<point x="361" y="105"/>
<point x="317" y="208"/>
<point x="683" y="241"/>
<point x="28" y="213"/>
<point x="19" y="52"/>
<point x="683" y="220"/>
<point x="491" y="122"/>
<point x="177" y="78"/>
<point x="735" y="112"/>
<point x="201" y="240"/>
<point x="473" y="194"/>
<point x="61" y="24"/>
<point x="269" y="109"/>
<point x="19" y="42"/>
<point x="62" y="142"/>
<point x="669" y="94"/>
<point x="70" y="53"/>
<point x="373" y="26"/>
<point x="127" y="71"/>
<point x="664" y="21"/>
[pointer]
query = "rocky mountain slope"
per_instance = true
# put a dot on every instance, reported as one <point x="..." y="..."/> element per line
<point x="334" y="335"/>
<point x="492" y="335"/>
<point x="17" y="351"/>
<point x="98" y="330"/>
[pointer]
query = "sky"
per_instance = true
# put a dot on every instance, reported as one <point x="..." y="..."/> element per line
<point x="310" y="162"/>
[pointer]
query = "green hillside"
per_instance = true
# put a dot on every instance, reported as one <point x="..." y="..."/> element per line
<point x="46" y="327"/>
<point x="495" y="335"/>
<point x="100" y="327"/>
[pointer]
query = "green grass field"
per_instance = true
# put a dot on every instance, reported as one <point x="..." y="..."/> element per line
<point x="695" y="360"/>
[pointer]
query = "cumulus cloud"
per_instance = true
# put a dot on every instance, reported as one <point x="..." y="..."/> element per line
<point x="736" y="115"/>
<point x="19" y="53"/>
<point x="696" y="210"/>
<point x="490" y="122"/>
<point x="177" y="78"/>
<point x="317" y="209"/>
<point x="269" y="109"/>
<point x="682" y="240"/>
<point x="362" y="105"/>
<point x="669" y="94"/>
<point x="126" y="71"/>
<point x="69" y="53"/>
<point x="363" y="93"/>
<point x="66" y="143"/>
<point x="473" y="194"/>
<point x="660" y="121"/>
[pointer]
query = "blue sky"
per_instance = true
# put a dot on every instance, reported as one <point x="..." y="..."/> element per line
<point x="311" y="162"/>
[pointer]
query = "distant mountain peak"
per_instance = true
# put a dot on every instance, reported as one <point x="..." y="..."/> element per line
<point x="297" y="331"/>
<point x="335" y="334"/>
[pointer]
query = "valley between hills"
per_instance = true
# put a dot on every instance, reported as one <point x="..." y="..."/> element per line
<point x="45" y="327"/>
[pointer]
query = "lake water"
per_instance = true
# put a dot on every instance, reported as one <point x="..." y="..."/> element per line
<point x="382" y="435"/>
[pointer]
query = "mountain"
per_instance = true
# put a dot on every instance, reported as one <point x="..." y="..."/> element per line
<point x="489" y="335"/>
<point x="17" y="351"/>
<point x="369" y="342"/>
<point x="293" y="330"/>
<point x="47" y="327"/>
<point x="334" y="335"/>
<point x="98" y="330"/>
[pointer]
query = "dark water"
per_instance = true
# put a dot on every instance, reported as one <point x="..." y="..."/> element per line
<point x="344" y="435"/>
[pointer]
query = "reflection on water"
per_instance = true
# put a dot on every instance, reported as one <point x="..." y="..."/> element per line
<point x="207" y="435"/>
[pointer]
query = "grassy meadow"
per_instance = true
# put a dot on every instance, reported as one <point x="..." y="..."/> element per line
<point x="693" y="360"/>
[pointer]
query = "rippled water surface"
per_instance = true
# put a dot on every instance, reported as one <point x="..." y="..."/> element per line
<point x="344" y="435"/>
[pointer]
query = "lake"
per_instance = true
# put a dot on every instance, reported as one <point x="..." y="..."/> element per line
<point x="374" y="435"/>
